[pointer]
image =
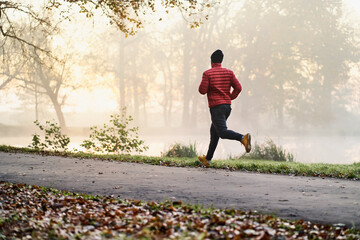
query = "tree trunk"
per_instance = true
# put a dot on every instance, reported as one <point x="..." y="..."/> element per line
<point x="120" y="74"/>
<point x="36" y="104"/>
<point x="326" y="102"/>
<point x="52" y="93"/>
<point x="58" y="111"/>
<point x="136" y="99"/>
<point x="186" y="71"/>
<point x="168" y="95"/>
<point x="194" y="108"/>
<point x="280" y="107"/>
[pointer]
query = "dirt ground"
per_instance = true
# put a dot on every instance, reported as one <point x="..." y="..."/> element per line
<point x="329" y="201"/>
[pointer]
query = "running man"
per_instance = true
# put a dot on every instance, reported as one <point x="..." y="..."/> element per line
<point x="217" y="83"/>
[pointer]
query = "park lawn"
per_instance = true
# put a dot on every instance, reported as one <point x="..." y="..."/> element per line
<point x="33" y="212"/>
<point x="343" y="171"/>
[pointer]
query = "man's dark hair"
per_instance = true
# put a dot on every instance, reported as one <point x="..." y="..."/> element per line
<point x="217" y="56"/>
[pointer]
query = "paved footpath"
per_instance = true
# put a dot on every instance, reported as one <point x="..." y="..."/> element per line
<point x="329" y="201"/>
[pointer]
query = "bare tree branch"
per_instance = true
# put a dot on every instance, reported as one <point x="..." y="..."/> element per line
<point x="5" y="34"/>
<point x="6" y="82"/>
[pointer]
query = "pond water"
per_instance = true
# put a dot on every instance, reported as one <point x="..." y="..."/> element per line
<point x="306" y="149"/>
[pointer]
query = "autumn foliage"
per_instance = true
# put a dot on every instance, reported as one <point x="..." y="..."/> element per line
<point x="128" y="15"/>
<point x="32" y="212"/>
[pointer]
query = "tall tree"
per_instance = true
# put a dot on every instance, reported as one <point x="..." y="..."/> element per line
<point x="168" y="66"/>
<point x="47" y="79"/>
<point x="295" y="53"/>
<point x="187" y="65"/>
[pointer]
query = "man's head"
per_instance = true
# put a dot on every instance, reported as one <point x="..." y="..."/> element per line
<point x="217" y="56"/>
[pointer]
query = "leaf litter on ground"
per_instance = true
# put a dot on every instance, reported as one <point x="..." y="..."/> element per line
<point x="32" y="212"/>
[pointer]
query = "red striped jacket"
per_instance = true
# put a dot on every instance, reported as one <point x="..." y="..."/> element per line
<point x="217" y="82"/>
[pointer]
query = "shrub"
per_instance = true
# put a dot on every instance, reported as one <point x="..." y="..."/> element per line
<point x="115" y="138"/>
<point x="54" y="139"/>
<point x="180" y="150"/>
<point x="269" y="151"/>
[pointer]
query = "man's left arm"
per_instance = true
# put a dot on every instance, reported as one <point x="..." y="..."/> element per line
<point x="235" y="84"/>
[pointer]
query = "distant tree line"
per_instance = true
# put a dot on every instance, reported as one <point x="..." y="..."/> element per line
<point x="291" y="57"/>
<point x="26" y="32"/>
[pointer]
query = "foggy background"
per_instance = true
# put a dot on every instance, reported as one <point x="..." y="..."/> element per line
<point x="297" y="61"/>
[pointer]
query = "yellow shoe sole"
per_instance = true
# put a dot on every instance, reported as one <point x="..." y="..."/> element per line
<point x="246" y="141"/>
<point x="204" y="161"/>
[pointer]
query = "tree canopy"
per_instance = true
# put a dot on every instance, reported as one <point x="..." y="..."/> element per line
<point x="127" y="16"/>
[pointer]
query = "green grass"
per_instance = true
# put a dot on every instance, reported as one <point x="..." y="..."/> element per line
<point x="270" y="151"/>
<point x="181" y="150"/>
<point x="351" y="171"/>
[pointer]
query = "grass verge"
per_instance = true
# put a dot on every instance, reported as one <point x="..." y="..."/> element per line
<point x="351" y="171"/>
<point x="32" y="212"/>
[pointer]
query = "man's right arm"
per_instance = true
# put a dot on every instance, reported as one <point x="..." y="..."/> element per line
<point x="236" y="87"/>
<point x="204" y="85"/>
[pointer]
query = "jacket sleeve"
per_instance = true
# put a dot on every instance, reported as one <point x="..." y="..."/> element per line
<point x="235" y="84"/>
<point x="204" y="85"/>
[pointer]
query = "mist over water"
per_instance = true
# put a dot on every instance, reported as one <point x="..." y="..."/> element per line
<point x="297" y="61"/>
<point x="306" y="149"/>
<point x="315" y="149"/>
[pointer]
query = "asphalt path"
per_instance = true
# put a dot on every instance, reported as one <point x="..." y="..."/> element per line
<point x="320" y="200"/>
